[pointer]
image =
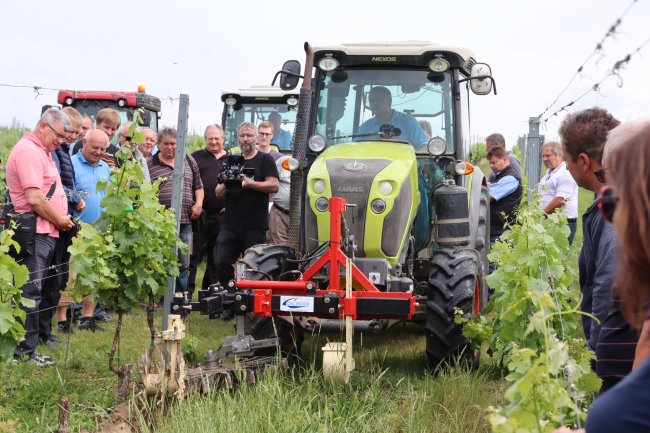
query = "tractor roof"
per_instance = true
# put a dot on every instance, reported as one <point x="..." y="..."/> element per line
<point x="260" y="92"/>
<point x="395" y="48"/>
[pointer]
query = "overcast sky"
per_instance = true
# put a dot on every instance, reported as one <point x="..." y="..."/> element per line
<point x="203" y="48"/>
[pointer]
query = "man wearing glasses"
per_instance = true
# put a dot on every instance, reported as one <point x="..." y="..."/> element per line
<point x="246" y="218"/>
<point x="125" y="139"/>
<point x="583" y="137"/>
<point x="35" y="186"/>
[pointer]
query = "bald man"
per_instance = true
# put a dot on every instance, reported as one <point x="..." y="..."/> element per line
<point x="90" y="167"/>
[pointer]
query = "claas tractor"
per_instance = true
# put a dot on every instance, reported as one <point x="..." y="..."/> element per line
<point x="381" y="192"/>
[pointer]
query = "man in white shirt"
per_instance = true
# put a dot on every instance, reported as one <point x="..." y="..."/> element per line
<point x="557" y="187"/>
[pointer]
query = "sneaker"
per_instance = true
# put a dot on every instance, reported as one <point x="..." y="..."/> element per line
<point x="88" y="324"/>
<point x="35" y="359"/>
<point x="64" y="327"/>
<point x="50" y="341"/>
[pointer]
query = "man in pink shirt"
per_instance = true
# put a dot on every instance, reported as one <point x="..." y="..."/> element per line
<point x="30" y="175"/>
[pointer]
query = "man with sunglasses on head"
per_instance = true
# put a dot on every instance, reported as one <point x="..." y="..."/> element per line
<point x="557" y="188"/>
<point x="36" y="192"/>
<point x="584" y="135"/>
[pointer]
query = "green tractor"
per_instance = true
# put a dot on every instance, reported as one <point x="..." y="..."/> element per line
<point x="383" y="126"/>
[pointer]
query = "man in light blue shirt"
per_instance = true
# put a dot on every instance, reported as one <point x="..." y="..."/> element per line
<point x="380" y="101"/>
<point x="282" y="138"/>
<point x="89" y="168"/>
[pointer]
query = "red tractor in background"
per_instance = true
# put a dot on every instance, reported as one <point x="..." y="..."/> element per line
<point x="91" y="101"/>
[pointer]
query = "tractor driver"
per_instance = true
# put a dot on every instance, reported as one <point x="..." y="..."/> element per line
<point x="380" y="101"/>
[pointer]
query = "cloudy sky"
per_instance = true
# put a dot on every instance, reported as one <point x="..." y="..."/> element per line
<point x="203" y="48"/>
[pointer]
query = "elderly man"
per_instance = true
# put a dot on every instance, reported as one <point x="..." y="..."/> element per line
<point x="89" y="169"/>
<point x="58" y="273"/>
<point x="557" y="188"/>
<point x="161" y="165"/>
<point x="35" y="188"/>
<point x="209" y="161"/>
<point x="125" y="139"/>
<point x="497" y="140"/>
<point x="246" y="217"/>
<point x="146" y="147"/>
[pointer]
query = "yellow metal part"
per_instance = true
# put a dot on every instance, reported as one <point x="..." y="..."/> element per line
<point x="167" y="361"/>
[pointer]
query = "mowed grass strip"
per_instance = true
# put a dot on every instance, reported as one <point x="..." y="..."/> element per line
<point x="390" y="388"/>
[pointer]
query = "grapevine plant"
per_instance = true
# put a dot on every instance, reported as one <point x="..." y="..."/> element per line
<point x="125" y="257"/>
<point x="12" y="277"/>
<point x="531" y="326"/>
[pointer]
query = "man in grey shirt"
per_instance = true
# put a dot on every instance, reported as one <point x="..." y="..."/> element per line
<point x="497" y="140"/>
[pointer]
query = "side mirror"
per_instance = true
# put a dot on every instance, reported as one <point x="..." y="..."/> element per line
<point x="290" y="75"/>
<point x="481" y="79"/>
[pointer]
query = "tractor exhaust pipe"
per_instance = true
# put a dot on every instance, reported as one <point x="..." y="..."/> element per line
<point x="301" y="136"/>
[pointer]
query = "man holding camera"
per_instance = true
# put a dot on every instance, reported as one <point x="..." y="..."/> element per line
<point x="247" y="206"/>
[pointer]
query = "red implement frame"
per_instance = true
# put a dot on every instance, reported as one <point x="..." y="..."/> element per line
<point x="335" y="258"/>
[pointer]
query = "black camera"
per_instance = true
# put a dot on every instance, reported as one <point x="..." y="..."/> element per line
<point x="231" y="170"/>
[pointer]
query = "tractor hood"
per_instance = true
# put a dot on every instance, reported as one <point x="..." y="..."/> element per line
<point x="381" y="180"/>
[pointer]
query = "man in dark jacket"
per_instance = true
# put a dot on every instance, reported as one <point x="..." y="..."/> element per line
<point x="583" y="139"/>
<point x="505" y="192"/>
<point x="58" y="273"/>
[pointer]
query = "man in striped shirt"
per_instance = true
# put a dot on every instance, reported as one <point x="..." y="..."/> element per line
<point x="161" y="165"/>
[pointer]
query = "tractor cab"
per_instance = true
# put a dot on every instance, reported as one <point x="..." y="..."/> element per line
<point x="257" y="104"/>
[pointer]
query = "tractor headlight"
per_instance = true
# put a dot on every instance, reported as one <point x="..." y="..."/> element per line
<point x="317" y="143"/>
<point x="292" y="101"/>
<point x="385" y="187"/>
<point x="230" y="101"/>
<point x="438" y="65"/>
<point x="437" y="146"/>
<point x="121" y="103"/>
<point x="378" y="205"/>
<point x="319" y="186"/>
<point x="68" y="100"/>
<point x="328" y="64"/>
<point x="322" y="204"/>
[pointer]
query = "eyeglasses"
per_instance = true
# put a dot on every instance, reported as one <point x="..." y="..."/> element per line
<point x="127" y="137"/>
<point x="607" y="201"/>
<point x="600" y="175"/>
<point x="265" y="134"/>
<point x="246" y="135"/>
<point x="57" y="134"/>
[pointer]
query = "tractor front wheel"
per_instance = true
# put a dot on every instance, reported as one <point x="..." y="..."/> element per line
<point x="272" y="263"/>
<point x="455" y="281"/>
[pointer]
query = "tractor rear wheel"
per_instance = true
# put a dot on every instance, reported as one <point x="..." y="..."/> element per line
<point x="455" y="282"/>
<point x="272" y="263"/>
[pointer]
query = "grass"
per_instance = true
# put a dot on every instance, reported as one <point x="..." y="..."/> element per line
<point x="390" y="389"/>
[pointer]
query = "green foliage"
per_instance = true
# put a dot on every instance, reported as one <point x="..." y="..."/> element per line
<point x="12" y="277"/>
<point x="127" y="255"/>
<point x="530" y="324"/>
<point x="478" y="152"/>
<point x="517" y="151"/>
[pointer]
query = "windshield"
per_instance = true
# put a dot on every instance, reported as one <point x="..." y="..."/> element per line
<point x="281" y="115"/>
<point x="92" y="107"/>
<point x="398" y="105"/>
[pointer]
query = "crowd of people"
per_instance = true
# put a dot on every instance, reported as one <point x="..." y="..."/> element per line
<point x="52" y="174"/>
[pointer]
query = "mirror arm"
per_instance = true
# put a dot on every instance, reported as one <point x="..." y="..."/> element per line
<point x="293" y="74"/>
<point x="481" y="77"/>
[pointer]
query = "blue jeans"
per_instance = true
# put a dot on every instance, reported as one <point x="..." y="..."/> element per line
<point x="185" y="234"/>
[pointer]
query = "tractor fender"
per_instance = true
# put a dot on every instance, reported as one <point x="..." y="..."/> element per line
<point x="477" y="181"/>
